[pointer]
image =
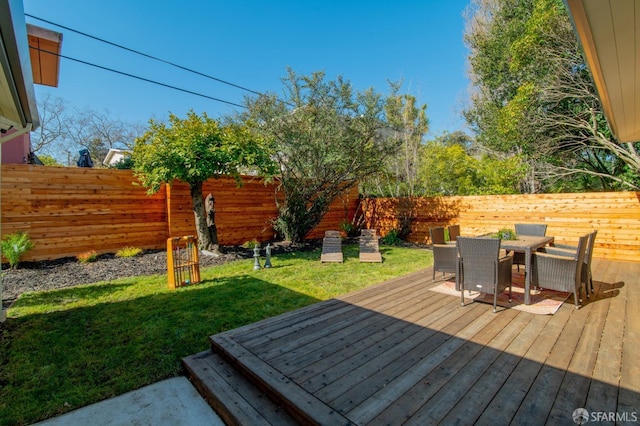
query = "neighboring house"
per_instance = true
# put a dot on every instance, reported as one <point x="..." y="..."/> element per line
<point x="114" y="156"/>
<point x="43" y="69"/>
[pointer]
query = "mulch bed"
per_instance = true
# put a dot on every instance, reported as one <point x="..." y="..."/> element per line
<point x="68" y="272"/>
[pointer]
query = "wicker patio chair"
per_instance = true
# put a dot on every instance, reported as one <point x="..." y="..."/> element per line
<point x="445" y="259"/>
<point x="454" y="232"/>
<point x="331" y="247"/>
<point x="533" y="229"/>
<point x="437" y="235"/>
<point x="561" y="272"/>
<point x="369" y="247"/>
<point x="586" y="274"/>
<point x="482" y="269"/>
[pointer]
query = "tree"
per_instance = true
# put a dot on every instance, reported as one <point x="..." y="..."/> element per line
<point x="534" y="97"/>
<point x="98" y="132"/>
<point x="406" y="126"/>
<point x="52" y="131"/>
<point x="64" y="131"/>
<point x="48" y="160"/>
<point x="193" y="150"/>
<point x="325" y="137"/>
<point x="447" y="168"/>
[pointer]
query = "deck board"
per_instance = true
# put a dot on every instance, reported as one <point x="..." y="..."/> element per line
<point x="398" y="353"/>
<point x="630" y="370"/>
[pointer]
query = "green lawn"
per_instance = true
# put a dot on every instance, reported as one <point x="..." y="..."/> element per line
<point x="63" y="349"/>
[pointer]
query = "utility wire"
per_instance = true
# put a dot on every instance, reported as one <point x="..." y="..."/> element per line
<point x="138" y="77"/>
<point x="146" y="55"/>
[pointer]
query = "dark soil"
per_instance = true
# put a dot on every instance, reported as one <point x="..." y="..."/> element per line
<point x="68" y="272"/>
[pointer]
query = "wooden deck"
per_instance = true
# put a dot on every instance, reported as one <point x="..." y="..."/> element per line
<point x="398" y="353"/>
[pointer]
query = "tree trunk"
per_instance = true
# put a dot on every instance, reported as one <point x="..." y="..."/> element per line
<point x="206" y="240"/>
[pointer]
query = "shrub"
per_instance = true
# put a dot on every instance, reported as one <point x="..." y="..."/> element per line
<point x="392" y="238"/>
<point x="349" y="229"/>
<point x="128" y="252"/>
<point x="87" y="256"/>
<point x="14" y="246"/>
<point x="251" y="244"/>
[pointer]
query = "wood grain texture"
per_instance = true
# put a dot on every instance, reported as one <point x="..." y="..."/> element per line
<point x="67" y="211"/>
<point x="616" y="216"/>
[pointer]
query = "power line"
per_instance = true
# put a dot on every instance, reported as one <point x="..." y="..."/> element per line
<point x="146" y="55"/>
<point x="138" y="77"/>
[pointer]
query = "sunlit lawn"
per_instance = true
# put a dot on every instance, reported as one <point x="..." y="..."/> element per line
<point x="63" y="349"/>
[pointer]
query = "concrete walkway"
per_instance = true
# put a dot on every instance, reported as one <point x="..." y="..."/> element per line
<point x="170" y="402"/>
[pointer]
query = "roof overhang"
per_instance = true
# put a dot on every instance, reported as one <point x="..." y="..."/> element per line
<point x="17" y="95"/>
<point x="609" y="31"/>
<point x="44" y="51"/>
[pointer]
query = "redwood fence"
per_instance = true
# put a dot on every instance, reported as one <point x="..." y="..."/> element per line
<point x="616" y="216"/>
<point x="67" y="211"/>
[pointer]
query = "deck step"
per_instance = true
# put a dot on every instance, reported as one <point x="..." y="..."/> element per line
<point x="231" y="395"/>
<point x="296" y="401"/>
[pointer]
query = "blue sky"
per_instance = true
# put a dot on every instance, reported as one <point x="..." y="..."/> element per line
<point x="251" y="43"/>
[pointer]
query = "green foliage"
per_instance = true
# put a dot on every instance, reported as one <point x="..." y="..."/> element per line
<point x="14" y="246"/>
<point x="450" y="170"/>
<point x="349" y="229"/>
<point x="87" y="256"/>
<point x="506" y="234"/>
<point x="128" y="252"/>
<point x="251" y="244"/>
<point x="535" y="98"/>
<point x="125" y="163"/>
<point x="326" y="137"/>
<point x="392" y="238"/>
<point x="48" y="160"/>
<point x="193" y="150"/>
<point x="407" y="125"/>
<point x="75" y="346"/>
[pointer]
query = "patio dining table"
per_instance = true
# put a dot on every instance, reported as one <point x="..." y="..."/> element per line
<point x="526" y="244"/>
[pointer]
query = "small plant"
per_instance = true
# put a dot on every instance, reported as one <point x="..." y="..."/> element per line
<point x="506" y="234"/>
<point x="392" y="238"/>
<point x="14" y="246"/>
<point x="251" y="244"/>
<point x="87" y="256"/>
<point x="128" y="252"/>
<point x="348" y="229"/>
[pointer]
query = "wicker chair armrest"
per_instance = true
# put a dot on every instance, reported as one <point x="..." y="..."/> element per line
<point x="559" y="251"/>
<point x="566" y="256"/>
<point x="564" y="246"/>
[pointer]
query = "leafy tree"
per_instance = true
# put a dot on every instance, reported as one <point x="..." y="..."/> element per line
<point x="125" y="163"/>
<point x="448" y="169"/>
<point x="533" y="96"/>
<point x="407" y="125"/>
<point x="193" y="150"/>
<point x="325" y="137"/>
<point x="48" y="160"/>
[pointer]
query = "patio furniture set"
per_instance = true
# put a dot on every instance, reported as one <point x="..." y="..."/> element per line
<point x="485" y="263"/>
